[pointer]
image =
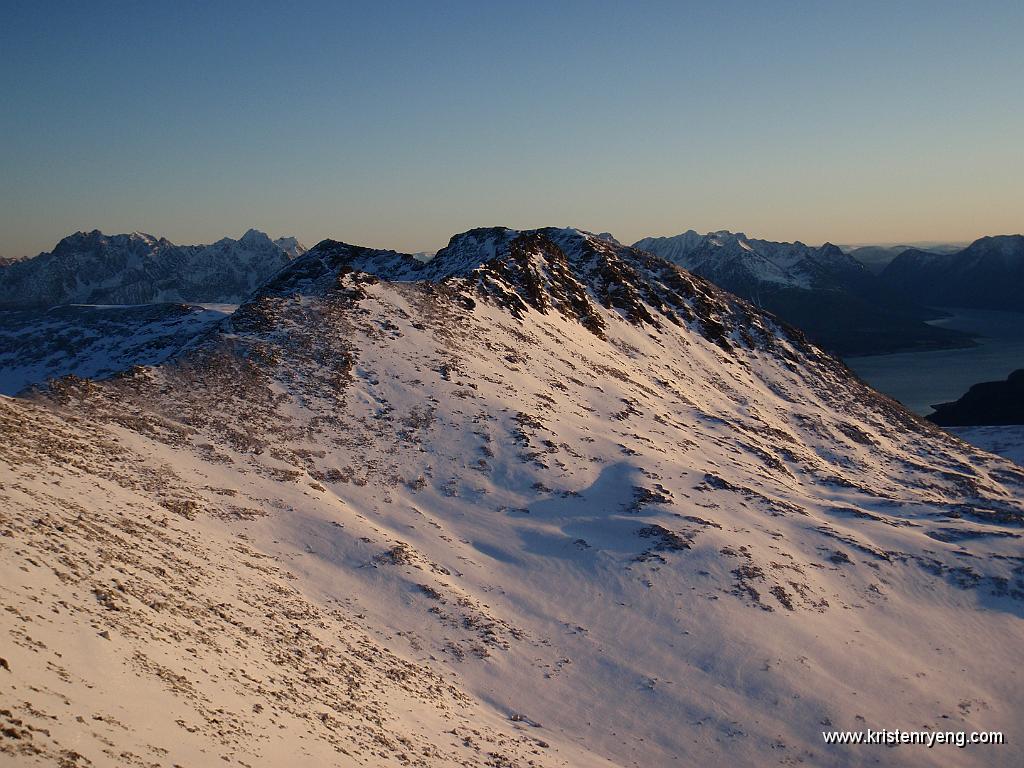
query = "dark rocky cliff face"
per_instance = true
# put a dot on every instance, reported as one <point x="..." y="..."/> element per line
<point x="988" y="403"/>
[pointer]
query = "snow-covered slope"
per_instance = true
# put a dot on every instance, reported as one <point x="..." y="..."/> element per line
<point x="1007" y="441"/>
<point x="94" y="341"/>
<point x="93" y="268"/>
<point x="543" y="500"/>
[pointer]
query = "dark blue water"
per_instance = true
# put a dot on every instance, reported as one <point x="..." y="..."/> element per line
<point x="921" y="379"/>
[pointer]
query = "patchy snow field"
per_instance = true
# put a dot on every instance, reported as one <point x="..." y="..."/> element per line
<point x="542" y="501"/>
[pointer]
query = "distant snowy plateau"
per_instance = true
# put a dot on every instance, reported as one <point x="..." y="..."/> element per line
<point x="540" y="500"/>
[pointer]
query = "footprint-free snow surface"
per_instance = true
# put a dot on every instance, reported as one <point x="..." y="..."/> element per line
<point x="543" y="500"/>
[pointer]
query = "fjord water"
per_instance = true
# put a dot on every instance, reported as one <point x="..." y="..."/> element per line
<point x="921" y="379"/>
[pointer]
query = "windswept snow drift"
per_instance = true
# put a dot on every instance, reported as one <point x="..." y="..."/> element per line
<point x="542" y="500"/>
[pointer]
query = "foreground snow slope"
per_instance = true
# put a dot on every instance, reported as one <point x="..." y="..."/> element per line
<point x="542" y="500"/>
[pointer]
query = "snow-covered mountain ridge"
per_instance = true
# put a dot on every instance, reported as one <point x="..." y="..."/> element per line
<point x="725" y="257"/>
<point x="543" y="500"/>
<point x="136" y="268"/>
<point x="548" y="269"/>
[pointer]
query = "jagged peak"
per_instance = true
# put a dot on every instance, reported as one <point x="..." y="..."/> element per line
<point x="565" y="270"/>
<point x="291" y="246"/>
<point x="97" y="239"/>
<point x="465" y="253"/>
<point x="317" y="270"/>
<point x="254" y="237"/>
<point x="726" y="234"/>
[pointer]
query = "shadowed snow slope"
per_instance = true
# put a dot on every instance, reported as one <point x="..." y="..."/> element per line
<point x="94" y="341"/>
<point x="543" y="500"/>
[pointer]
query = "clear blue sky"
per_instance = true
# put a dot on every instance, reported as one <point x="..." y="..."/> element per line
<point x="398" y="124"/>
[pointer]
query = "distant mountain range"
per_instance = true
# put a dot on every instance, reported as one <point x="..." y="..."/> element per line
<point x="826" y="291"/>
<point x="136" y="268"/>
<point x="987" y="274"/>
<point x="749" y="264"/>
<point x="877" y="257"/>
<point x="822" y="290"/>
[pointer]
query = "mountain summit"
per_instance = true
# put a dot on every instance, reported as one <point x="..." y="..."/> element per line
<point x="568" y="271"/>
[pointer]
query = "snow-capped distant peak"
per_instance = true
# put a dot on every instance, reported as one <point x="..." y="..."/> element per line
<point x="291" y="246"/>
<point x="254" y="237"/>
